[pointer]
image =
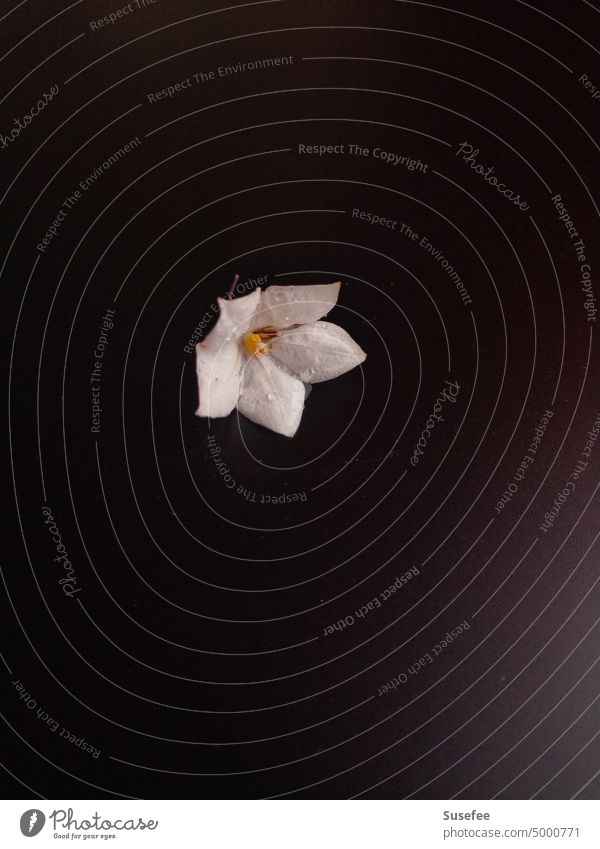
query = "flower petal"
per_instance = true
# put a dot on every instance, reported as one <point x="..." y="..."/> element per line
<point x="218" y="374"/>
<point x="235" y="319"/>
<point x="316" y="352"/>
<point x="282" y="306"/>
<point x="271" y="397"/>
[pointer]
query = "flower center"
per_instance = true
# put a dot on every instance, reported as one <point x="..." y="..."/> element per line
<point x="258" y="341"/>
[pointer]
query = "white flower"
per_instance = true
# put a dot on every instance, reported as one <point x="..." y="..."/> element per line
<point x="264" y="347"/>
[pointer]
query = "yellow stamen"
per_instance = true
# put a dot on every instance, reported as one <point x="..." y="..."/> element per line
<point x="255" y="342"/>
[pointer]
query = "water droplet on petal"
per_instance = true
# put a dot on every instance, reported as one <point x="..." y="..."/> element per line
<point x="270" y="396"/>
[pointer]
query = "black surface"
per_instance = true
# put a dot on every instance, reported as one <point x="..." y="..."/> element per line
<point x="194" y="654"/>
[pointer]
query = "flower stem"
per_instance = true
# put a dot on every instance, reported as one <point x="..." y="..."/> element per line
<point x="232" y="287"/>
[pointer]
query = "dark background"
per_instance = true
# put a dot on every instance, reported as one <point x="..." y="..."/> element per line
<point x="193" y="655"/>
